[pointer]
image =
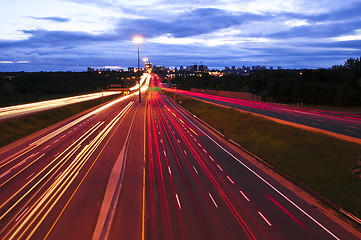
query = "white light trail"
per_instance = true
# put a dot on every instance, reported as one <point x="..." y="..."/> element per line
<point x="30" y="108"/>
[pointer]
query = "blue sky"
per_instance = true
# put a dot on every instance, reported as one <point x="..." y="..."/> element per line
<point x="53" y="35"/>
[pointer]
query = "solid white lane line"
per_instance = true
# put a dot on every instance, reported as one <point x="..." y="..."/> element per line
<point x="185" y="152"/>
<point x="179" y="205"/>
<point x="244" y="195"/>
<point x="219" y="167"/>
<point x="170" y="172"/>
<point x="265" y="219"/>
<point x="230" y="179"/>
<point x="195" y="169"/>
<point x="214" y="202"/>
<point x="266" y="182"/>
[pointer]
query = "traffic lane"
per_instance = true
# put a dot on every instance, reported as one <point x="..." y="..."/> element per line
<point x="163" y="208"/>
<point x="51" y="149"/>
<point x="25" y="143"/>
<point x="352" y="129"/>
<point x="235" y="167"/>
<point x="233" y="211"/>
<point x="279" y="108"/>
<point x="87" y="201"/>
<point x="127" y="222"/>
<point x="349" y="129"/>
<point x="228" y="217"/>
<point x="190" y="219"/>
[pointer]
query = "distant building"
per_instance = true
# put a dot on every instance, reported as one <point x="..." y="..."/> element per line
<point x="159" y="68"/>
<point x="90" y="69"/>
<point x="130" y="69"/>
<point x="202" y="68"/>
<point x="195" y="68"/>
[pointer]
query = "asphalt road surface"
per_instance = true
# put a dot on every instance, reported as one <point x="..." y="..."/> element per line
<point x="198" y="188"/>
<point x="52" y="185"/>
<point x="335" y="122"/>
<point x="180" y="182"/>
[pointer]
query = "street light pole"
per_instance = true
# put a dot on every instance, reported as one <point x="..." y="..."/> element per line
<point x="138" y="40"/>
<point x="140" y="98"/>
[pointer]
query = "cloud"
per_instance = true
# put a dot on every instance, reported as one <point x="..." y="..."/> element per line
<point x="186" y="24"/>
<point x="322" y="30"/>
<point x="54" y="19"/>
<point x="187" y="31"/>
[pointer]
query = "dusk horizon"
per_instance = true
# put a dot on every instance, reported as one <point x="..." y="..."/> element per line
<point x="73" y="35"/>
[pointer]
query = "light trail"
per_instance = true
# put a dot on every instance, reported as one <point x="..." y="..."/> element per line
<point x="41" y="204"/>
<point x="25" y="109"/>
<point x="265" y="181"/>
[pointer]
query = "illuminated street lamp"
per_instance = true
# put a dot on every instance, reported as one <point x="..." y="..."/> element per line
<point x="138" y="40"/>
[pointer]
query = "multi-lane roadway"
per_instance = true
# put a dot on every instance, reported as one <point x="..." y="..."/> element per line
<point x="343" y="125"/>
<point x="174" y="179"/>
<point x="199" y="188"/>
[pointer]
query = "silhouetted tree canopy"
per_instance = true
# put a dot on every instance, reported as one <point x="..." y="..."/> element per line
<point x="340" y="85"/>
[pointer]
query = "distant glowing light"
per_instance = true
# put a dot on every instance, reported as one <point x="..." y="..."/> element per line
<point x="138" y="39"/>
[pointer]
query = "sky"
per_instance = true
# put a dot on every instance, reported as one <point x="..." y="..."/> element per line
<point x="71" y="35"/>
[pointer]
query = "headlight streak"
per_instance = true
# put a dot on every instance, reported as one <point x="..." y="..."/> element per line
<point x="77" y="142"/>
<point x="22" y="169"/>
<point x="72" y="170"/>
<point x="24" y="109"/>
<point x="62" y="183"/>
<point x="15" y="156"/>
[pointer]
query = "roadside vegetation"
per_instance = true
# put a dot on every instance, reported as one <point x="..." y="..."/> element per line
<point x="24" y="87"/>
<point x="337" y="86"/>
<point x="17" y="128"/>
<point x="327" y="165"/>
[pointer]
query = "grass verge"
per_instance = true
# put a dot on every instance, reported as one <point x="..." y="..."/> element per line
<point x="319" y="161"/>
<point x="17" y="128"/>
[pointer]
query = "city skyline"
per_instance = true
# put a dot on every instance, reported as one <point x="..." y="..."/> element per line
<point x="64" y="35"/>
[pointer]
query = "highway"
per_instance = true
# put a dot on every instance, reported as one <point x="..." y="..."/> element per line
<point x="52" y="184"/>
<point x="199" y="188"/>
<point x="343" y="124"/>
<point x="31" y="108"/>
<point x="180" y="181"/>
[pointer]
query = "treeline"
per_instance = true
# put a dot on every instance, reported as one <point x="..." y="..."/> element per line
<point x="340" y="85"/>
<point x="20" y="87"/>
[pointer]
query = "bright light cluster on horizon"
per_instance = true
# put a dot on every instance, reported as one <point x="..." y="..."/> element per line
<point x="75" y="34"/>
